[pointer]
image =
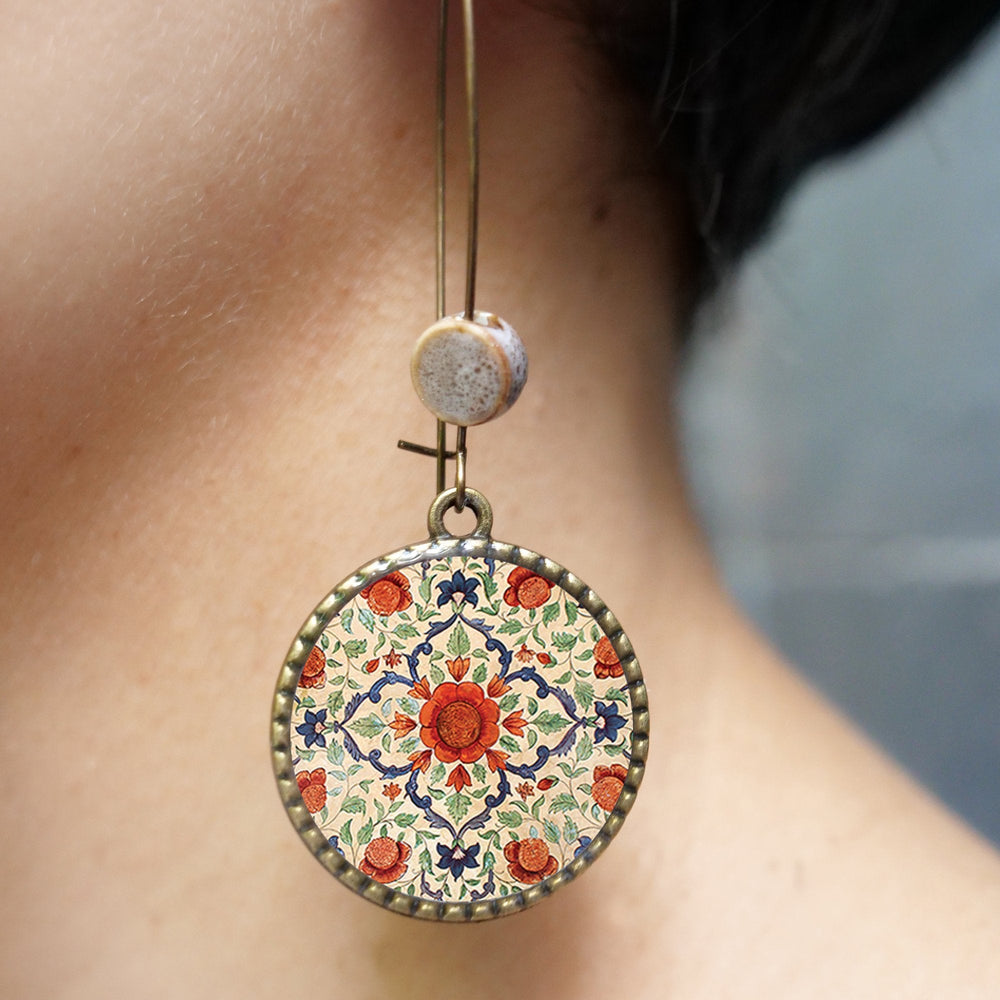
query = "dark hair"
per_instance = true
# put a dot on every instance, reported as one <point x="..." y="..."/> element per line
<point x="740" y="96"/>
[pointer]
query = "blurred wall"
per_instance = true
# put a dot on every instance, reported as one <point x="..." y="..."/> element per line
<point x="842" y="411"/>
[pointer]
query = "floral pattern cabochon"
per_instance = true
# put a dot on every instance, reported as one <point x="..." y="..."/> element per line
<point x="460" y="734"/>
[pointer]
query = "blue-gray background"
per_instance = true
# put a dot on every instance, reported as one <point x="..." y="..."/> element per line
<point x="842" y="415"/>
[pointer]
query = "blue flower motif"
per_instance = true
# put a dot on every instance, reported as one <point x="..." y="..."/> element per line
<point x="456" y="858"/>
<point x="458" y="585"/>
<point x="312" y="728"/>
<point x="584" y="844"/>
<point x="608" y="722"/>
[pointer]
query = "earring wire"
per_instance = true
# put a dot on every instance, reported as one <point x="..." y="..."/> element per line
<point x="441" y="452"/>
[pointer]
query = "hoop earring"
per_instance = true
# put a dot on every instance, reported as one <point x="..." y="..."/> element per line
<point x="460" y="726"/>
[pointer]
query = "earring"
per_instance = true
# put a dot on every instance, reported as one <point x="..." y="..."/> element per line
<point x="460" y="726"/>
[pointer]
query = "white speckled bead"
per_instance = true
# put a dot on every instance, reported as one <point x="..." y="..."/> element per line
<point x="469" y="372"/>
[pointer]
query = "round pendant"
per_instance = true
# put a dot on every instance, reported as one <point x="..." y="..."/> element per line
<point x="460" y="727"/>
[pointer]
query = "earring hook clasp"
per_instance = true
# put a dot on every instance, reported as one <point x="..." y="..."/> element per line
<point x="441" y="452"/>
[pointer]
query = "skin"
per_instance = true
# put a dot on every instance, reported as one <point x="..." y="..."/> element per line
<point x="217" y="250"/>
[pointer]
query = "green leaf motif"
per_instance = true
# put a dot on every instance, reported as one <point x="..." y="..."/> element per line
<point x="564" y="802"/>
<point x="355" y="647"/>
<point x="509" y="818"/>
<point x="615" y="695"/>
<point x="458" y="641"/>
<point x="570" y="831"/>
<point x="405" y="631"/>
<point x="550" y="612"/>
<point x="408" y="745"/>
<point x="457" y="805"/>
<point x="406" y="819"/>
<point x="368" y="726"/>
<point x="509" y="744"/>
<point x="478" y="772"/>
<point x="424" y="590"/>
<point x="353" y="804"/>
<point x="365" y="833"/>
<point x="509" y="627"/>
<point x="584" y="694"/>
<point x="552" y="834"/>
<point x="380" y="643"/>
<point x="509" y="701"/>
<point x="571" y="613"/>
<point x="387" y="742"/>
<point x="595" y="634"/>
<point x="489" y="585"/>
<point x="344" y="834"/>
<point x="366" y="618"/>
<point x="437" y="674"/>
<point x="437" y="774"/>
<point x="563" y="678"/>
<point x="564" y="641"/>
<point x="335" y="702"/>
<point x="584" y="747"/>
<point x="335" y="753"/>
<point x="345" y="620"/>
<point x="489" y="861"/>
<point x="407" y="704"/>
<point x="479" y="674"/>
<point x="549" y="722"/>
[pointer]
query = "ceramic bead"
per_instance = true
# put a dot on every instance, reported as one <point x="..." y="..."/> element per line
<point x="469" y="372"/>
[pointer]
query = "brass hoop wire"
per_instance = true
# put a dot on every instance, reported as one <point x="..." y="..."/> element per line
<point x="441" y="452"/>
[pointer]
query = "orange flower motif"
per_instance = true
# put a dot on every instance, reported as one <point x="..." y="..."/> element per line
<point x="392" y="658"/>
<point x="514" y="723"/>
<point x="608" y="785"/>
<point x="525" y="789"/>
<point x="402" y="724"/>
<point x="524" y="655"/>
<point x="526" y="589"/>
<point x="391" y="791"/>
<point x="458" y="667"/>
<point x="495" y="759"/>
<point x="606" y="659"/>
<point x="459" y="778"/>
<point x="391" y="593"/>
<point x="529" y="860"/>
<point x="384" y="859"/>
<point x="459" y="723"/>
<point x="421" y="689"/>
<point x="312" y="788"/>
<point x="544" y="659"/>
<point x="496" y="687"/>
<point x="546" y="783"/>
<point x="313" y="670"/>
<point x="372" y="665"/>
<point x="421" y="760"/>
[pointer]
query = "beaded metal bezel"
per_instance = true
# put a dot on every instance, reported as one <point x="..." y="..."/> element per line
<point x="445" y="546"/>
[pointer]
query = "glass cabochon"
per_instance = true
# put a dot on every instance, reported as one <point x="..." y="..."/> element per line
<point x="459" y="728"/>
